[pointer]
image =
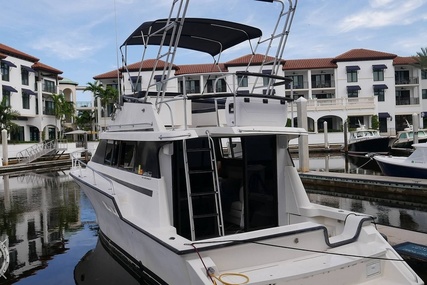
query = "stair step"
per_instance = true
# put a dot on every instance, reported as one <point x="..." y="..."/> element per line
<point x="198" y="149"/>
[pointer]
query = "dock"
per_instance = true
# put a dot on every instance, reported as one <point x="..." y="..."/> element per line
<point x="410" y="190"/>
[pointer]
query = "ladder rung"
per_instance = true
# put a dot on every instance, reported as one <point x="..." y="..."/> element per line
<point x="205" y="216"/>
<point x="203" y="194"/>
<point x="200" y="171"/>
<point x="198" y="149"/>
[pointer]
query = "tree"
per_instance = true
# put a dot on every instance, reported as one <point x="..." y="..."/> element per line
<point x="106" y="95"/>
<point x="85" y="119"/>
<point x="7" y="115"/>
<point x="63" y="109"/>
<point x="421" y="58"/>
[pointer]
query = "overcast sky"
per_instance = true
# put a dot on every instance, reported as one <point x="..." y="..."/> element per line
<point x="80" y="37"/>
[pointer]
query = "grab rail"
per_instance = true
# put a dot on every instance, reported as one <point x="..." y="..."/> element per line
<point x="76" y="163"/>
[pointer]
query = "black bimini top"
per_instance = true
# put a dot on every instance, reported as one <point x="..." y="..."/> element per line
<point x="205" y="35"/>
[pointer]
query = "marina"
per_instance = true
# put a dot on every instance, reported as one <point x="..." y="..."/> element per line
<point x="67" y="256"/>
<point x="179" y="181"/>
<point x="209" y="188"/>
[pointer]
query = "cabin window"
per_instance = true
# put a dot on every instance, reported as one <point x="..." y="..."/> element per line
<point x="147" y="158"/>
<point x="111" y="153"/>
<point x="127" y="155"/>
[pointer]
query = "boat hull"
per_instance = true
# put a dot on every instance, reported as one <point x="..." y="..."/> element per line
<point x="371" y="145"/>
<point x="396" y="166"/>
<point x="160" y="263"/>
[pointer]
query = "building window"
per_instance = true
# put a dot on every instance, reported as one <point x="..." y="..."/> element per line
<point x="353" y="93"/>
<point x="25" y="75"/>
<point x="49" y="108"/>
<point x="380" y="94"/>
<point x="242" y="81"/>
<point x="378" y="75"/>
<point x="17" y="134"/>
<point x="4" y="72"/>
<point x="6" y="98"/>
<point x="136" y="83"/>
<point x="423" y="74"/>
<point x="192" y="86"/>
<point x="424" y="93"/>
<point x="25" y="101"/>
<point x="49" y="86"/>
<point x="297" y="81"/>
<point x="351" y="75"/>
<point x="221" y="86"/>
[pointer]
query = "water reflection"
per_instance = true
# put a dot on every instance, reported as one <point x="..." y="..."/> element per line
<point x="99" y="267"/>
<point x="337" y="162"/>
<point x="52" y="231"/>
<point x="397" y="215"/>
<point x="40" y="217"/>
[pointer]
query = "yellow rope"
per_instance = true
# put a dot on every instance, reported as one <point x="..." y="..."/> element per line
<point x="219" y="278"/>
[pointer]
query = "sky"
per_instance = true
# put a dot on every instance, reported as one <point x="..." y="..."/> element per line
<point x="81" y="37"/>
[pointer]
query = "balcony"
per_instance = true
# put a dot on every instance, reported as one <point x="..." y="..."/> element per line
<point x="407" y="101"/>
<point x="341" y="104"/>
<point x="406" y="80"/>
<point x="323" y="84"/>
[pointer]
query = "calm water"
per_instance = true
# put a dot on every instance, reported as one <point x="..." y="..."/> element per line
<point x="52" y="230"/>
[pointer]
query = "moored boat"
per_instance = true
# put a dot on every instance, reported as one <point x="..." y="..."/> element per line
<point x="196" y="195"/>
<point x="413" y="166"/>
<point x="364" y="140"/>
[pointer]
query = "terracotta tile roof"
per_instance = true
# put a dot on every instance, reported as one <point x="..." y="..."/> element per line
<point x="244" y="60"/>
<point x="7" y="50"/>
<point x="45" y="67"/>
<point x="2" y="56"/>
<point x="363" y="54"/>
<point x="146" y="65"/>
<point x="108" y="75"/>
<point x="310" y="63"/>
<point x="405" y="60"/>
<point x="200" y="68"/>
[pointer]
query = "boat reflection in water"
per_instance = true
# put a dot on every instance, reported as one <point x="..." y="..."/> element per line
<point x="98" y="266"/>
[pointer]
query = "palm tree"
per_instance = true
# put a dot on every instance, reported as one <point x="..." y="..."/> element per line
<point x="106" y="95"/>
<point x="421" y="58"/>
<point x="63" y="109"/>
<point x="85" y="119"/>
<point x="7" y="115"/>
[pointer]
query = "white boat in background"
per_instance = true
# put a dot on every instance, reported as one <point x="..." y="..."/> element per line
<point x="181" y="201"/>
<point x="413" y="166"/>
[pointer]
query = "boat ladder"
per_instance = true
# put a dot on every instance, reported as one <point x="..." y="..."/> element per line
<point x="204" y="198"/>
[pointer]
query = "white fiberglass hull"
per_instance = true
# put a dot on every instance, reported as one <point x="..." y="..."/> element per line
<point x="293" y="254"/>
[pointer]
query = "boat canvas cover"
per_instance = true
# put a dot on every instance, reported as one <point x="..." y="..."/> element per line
<point x="200" y="34"/>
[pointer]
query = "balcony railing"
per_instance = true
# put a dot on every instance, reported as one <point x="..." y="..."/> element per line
<point x="341" y="104"/>
<point x="322" y="84"/>
<point x="408" y="101"/>
<point x="406" y="80"/>
<point x="83" y="104"/>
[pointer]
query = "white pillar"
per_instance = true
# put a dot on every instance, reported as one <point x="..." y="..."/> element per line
<point x="302" y="140"/>
<point x="5" y="150"/>
<point x="325" y="131"/>
<point x="415" y="126"/>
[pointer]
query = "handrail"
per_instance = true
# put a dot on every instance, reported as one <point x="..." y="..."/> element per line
<point x="77" y="163"/>
<point x="36" y="151"/>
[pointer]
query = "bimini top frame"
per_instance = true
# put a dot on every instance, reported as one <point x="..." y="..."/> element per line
<point x="205" y="35"/>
